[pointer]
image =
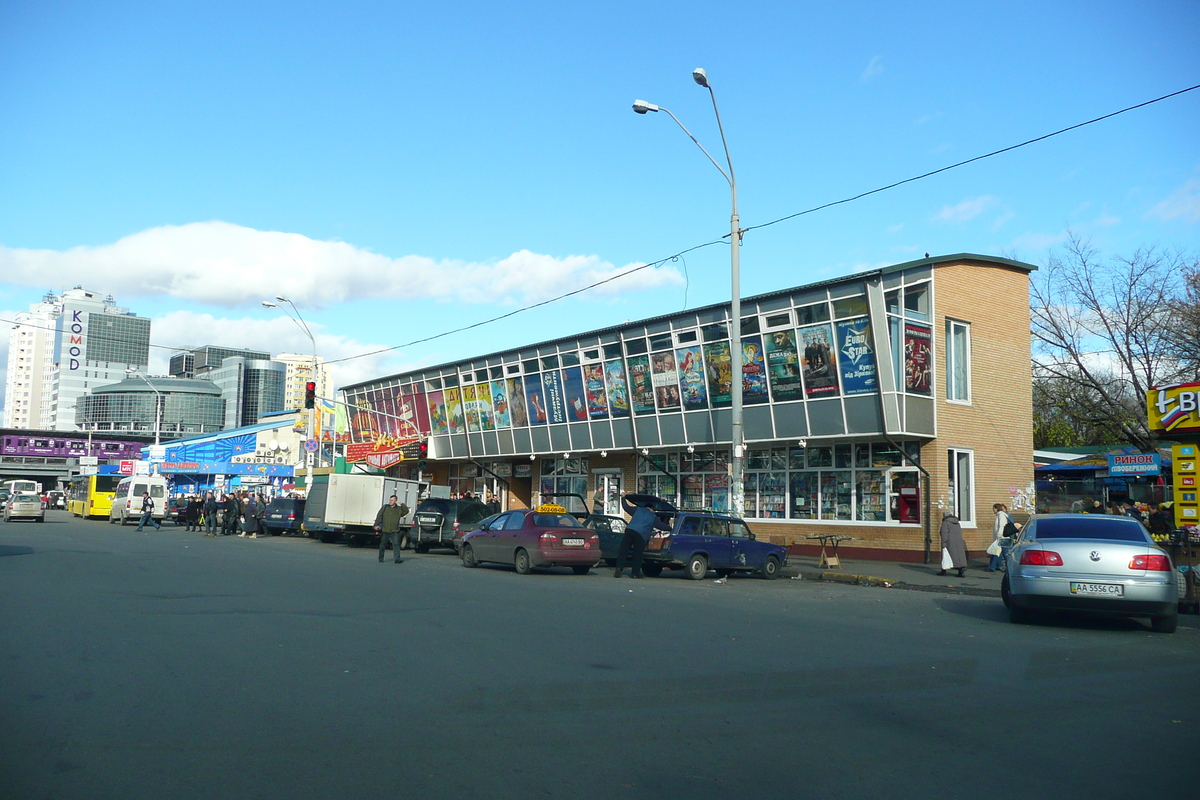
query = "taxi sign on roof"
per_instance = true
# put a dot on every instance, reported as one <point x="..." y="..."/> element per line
<point x="550" y="508"/>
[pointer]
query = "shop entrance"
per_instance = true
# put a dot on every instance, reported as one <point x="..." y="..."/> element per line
<point x="607" y="497"/>
<point x="904" y="495"/>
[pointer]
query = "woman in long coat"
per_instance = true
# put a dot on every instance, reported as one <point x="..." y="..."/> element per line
<point x="952" y="540"/>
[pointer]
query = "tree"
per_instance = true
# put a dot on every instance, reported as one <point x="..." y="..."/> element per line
<point x="1105" y="332"/>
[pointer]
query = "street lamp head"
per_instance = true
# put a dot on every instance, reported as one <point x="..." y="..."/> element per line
<point x="641" y="106"/>
<point x="282" y="299"/>
<point x="268" y="304"/>
<point x="700" y="77"/>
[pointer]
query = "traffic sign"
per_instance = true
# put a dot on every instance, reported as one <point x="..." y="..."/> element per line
<point x="312" y="445"/>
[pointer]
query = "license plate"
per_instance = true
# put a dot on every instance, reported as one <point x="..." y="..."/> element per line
<point x="427" y="520"/>
<point x="1106" y="589"/>
<point x="573" y="542"/>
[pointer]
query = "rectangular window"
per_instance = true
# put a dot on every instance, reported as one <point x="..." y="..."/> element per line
<point x="958" y="361"/>
<point x="962" y="485"/>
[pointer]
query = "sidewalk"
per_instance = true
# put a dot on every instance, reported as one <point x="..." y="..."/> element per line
<point x="901" y="575"/>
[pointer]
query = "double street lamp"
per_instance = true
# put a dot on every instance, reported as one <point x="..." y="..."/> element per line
<point x="737" y="483"/>
<point x="298" y="318"/>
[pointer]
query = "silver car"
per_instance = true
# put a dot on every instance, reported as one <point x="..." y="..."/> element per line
<point x="1090" y="563"/>
<point x="24" y="506"/>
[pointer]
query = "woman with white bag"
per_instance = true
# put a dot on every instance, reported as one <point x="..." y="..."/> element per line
<point x="1000" y="530"/>
<point x="954" y="548"/>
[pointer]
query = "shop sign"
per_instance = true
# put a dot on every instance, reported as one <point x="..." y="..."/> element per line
<point x="126" y="468"/>
<point x="1187" y="511"/>
<point x="384" y="460"/>
<point x="522" y="471"/>
<point x="502" y="469"/>
<point x="358" y="453"/>
<point x="1174" y="408"/>
<point x="1135" y="464"/>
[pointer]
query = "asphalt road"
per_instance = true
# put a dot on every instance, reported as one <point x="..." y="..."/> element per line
<point x="172" y="665"/>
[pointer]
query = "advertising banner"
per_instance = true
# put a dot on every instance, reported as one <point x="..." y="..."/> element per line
<point x="783" y="366"/>
<point x="470" y="407"/>
<point x="1184" y="458"/>
<point x="641" y="390"/>
<point x="918" y="359"/>
<point x="856" y="357"/>
<point x="618" y="391"/>
<point x="454" y="411"/>
<point x="500" y="410"/>
<point x="516" y="399"/>
<point x="1174" y="408"/>
<point x="534" y="396"/>
<point x="816" y="363"/>
<point x="754" y="371"/>
<point x="593" y="388"/>
<point x="665" y="378"/>
<point x="577" y="410"/>
<point x="691" y="378"/>
<point x="1135" y="464"/>
<point x="483" y="400"/>
<point x="719" y="369"/>
<point x="556" y="406"/>
<point x="437" y="413"/>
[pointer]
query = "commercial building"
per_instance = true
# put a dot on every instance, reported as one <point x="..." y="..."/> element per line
<point x="174" y="407"/>
<point x="875" y="404"/>
<point x="94" y="343"/>
<point x="250" y="387"/>
<point x="200" y="361"/>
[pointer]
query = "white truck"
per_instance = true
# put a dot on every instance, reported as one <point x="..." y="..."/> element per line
<point x="346" y="505"/>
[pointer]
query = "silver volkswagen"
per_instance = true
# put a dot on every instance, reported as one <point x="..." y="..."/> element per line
<point x="1090" y="563"/>
<point x="24" y="506"/>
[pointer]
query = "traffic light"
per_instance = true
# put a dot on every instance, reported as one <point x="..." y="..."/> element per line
<point x="422" y="455"/>
<point x="310" y="395"/>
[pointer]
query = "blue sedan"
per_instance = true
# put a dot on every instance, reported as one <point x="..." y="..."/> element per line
<point x="703" y="541"/>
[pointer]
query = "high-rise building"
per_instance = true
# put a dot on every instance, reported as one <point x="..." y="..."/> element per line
<point x="199" y="362"/>
<point x="250" y="387"/>
<point x="92" y="342"/>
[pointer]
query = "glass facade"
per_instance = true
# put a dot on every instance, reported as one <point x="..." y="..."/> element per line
<point x="119" y="338"/>
<point x="251" y="388"/>
<point x="180" y="407"/>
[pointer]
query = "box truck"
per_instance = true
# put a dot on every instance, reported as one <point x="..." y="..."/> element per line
<point x="346" y="505"/>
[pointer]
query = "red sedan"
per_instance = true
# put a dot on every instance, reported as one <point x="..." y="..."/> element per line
<point x="546" y="536"/>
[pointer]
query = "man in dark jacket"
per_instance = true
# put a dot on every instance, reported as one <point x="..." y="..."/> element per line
<point x="148" y="513"/>
<point x="642" y="524"/>
<point x="388" y="522"/>
<point x="233" y="510"/>
<point x="210" y="514"/>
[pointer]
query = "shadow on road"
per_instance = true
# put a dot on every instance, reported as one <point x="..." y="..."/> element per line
<point x="14" y="550"/>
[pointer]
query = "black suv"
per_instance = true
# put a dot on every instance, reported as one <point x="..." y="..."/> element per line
<point x="437" y="518"/>
<point x="284" y="516"/>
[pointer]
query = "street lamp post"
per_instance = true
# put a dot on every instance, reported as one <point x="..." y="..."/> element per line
<point x="737" y="482"/>
<point x="312" y="425"/>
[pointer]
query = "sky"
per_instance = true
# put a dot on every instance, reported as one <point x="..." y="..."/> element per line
<point x="401" y="170"/>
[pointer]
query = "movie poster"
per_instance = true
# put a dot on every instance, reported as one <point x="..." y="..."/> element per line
<point x="536" y="398"/>
<point x="556" y="406"/>
<point x="719" y="369"/>
<point x="856" y="355"/>
<point x="665" y="378"/>
<point x="641" y="390"/>
<point x="454" y="411"/>
<point x="470" y="407"/>
<point x="618" y="392"/>
<point x="516" y="398"/>
<point x="816" y="361"/>
<point x="416" y="400"/>
<point x="483" y="402"/>
<point x="691" y="378"/>
<point x="918" y="359"/>
<point x="576" y="403"/>
<point x="593" y="388"/>
<point x="754" y="371"/>
<point x="437" y="414"/>
<point x="783" y="366"/>
<point x="500" y="410"/>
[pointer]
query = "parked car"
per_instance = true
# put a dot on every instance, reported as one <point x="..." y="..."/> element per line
<point x="284" y="516"/>
<point x="1093" y="564"/>
<point x="463" y="530"/>
<point x="703" y="540"/>
<point x="546" y="536"/>
<point x="55" y="499"/>
<point x="24" y="506"/>
<point x="177" y="510"/>
<point x="611" y="529"/>
<point x="437" y="518"/>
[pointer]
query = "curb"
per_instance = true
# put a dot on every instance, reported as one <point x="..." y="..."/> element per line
<point x="884" y="583"/>
<point x="858" y="580"/>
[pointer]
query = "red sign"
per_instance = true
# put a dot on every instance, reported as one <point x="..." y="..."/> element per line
<point x="126" y="468"/>
<point x="384" y="444"/>
<point x="384" y="460"/>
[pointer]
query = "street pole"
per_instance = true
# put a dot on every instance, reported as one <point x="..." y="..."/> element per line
<point x="311" y="425"/>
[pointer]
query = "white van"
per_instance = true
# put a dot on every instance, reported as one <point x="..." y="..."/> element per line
<point x="127" y="502"/>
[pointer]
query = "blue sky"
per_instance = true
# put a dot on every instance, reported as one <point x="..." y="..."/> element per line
<point x="400" y="170"/>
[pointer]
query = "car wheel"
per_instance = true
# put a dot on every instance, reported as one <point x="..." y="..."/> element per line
<point x="697" y="567"/>
<point x="582" y="569"/>
<point x="770" y="570"/>
<point x="1164" y="624"/>
<point x="652" y="570"/>
<point x="123" y="518"/>
<point x="1005" y="595"/>
<point x="1018" y="615"/>
<point x="328" y="537"/>
<point x="468" y="556"/>
<point x="522" y="563"/>
<point x="421" y="547"/>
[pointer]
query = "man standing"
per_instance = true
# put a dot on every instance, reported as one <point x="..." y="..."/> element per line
<point x="233" y="510"/>
<point x="642" y="524"/>
<point x="148" y="513"/>
<point x="210" y="514"/>
<point x="387" y="523"/>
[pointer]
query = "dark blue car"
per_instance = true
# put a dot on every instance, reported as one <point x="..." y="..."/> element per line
<point x="700" y="541"/>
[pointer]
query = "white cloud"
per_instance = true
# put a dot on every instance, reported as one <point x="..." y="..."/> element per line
<point x="1038" y="241"/>
<point x="873" y="70"/>
<point x="895" y="228"/>
<point x="222" y="264"/>
<point x="1184" y="204"/>
<point x="1003" y="218"/>
<point x="966" y="210"/>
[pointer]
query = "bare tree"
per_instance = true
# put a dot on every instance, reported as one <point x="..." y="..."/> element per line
<point x="1104" y="332"/>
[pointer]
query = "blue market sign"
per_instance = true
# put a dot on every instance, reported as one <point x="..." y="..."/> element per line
<point x="1135" y="464"/>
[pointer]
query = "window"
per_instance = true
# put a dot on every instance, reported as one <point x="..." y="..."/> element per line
<point x="962" y="484"/>
<point x="958" y="361"/>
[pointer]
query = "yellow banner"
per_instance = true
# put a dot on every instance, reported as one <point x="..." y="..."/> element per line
<point x="1174" y="408"/>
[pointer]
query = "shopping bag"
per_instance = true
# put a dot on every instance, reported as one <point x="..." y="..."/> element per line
<point x="994" y="548"/>
<point x="947" y="561"/>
